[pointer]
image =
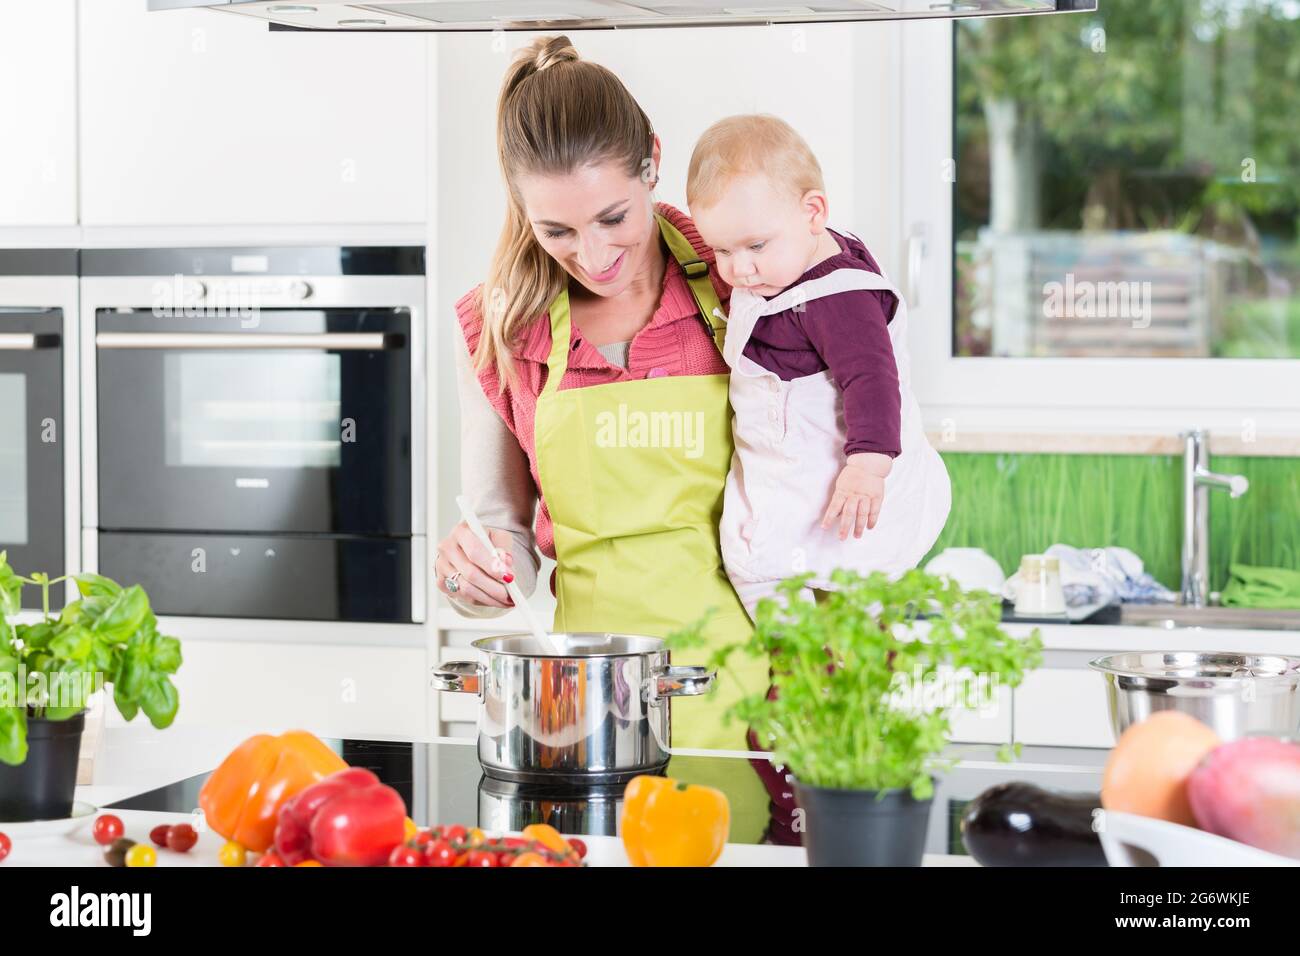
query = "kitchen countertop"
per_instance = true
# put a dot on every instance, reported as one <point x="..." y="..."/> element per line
<point x="149" y="777"/>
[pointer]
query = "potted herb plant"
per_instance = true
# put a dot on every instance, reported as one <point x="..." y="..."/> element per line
<point x="49" y="669"/>
<point x="863" y="684"/>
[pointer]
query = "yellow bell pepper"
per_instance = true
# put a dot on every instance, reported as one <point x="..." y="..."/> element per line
<point x="670" y="823"/>
<point x="241" y="800"/>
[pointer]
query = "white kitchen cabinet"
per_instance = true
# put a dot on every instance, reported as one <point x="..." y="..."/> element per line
<point x="336" y="690"/>
<point x="197" y="117"/>
<point x="1062" y="707"/>
<point x="38" y="113"/>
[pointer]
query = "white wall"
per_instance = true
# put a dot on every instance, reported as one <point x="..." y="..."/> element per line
<point x="832" y="83"/>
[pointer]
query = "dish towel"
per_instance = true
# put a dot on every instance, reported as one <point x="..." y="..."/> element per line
<point x="1262" y="587"/>
<point x="1101" y="576"/>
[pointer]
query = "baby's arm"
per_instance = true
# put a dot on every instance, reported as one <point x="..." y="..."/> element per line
<point x="850" y="331"/>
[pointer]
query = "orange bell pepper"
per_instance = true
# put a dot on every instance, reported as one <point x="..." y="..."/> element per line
<point x="241" y="800"/>
<point x="670" y="823"/>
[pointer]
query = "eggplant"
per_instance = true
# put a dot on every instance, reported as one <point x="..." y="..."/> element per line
<point x="1019" y="824"/>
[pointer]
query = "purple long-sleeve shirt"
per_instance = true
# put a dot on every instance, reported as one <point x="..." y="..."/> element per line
<point x="848" y="333"/>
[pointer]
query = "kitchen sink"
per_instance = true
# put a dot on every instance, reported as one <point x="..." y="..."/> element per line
<point x="1177" y="615"/>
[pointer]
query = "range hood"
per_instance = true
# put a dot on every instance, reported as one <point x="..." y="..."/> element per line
<point x="450" y="16"/>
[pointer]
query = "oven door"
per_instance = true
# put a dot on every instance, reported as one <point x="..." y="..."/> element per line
<point x="295" y="421"/>
<point x="31" y="442"/>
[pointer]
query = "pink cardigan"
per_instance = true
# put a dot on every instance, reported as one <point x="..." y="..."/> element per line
<point x="674" y="342"/>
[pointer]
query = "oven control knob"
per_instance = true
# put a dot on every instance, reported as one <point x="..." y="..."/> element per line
<point x="299" y="290"/>
<point x="196" y="290"/>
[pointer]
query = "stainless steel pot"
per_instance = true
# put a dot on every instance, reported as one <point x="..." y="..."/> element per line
<point x="597" y="712"/>
<point x="1232" y="694"/>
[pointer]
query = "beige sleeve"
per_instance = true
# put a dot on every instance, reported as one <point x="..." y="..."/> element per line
<point x="495" y="477"/>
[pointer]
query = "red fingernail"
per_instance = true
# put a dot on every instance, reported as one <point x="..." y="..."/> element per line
<point x="507" y="577"/>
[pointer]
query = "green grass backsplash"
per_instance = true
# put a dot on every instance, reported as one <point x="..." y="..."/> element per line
<point x="1016" y="504"/>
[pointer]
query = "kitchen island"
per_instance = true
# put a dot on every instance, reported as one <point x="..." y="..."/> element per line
<point x="148" y="777"/>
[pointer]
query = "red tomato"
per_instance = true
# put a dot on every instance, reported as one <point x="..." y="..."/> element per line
<point x="159" y="834"/>
<point x="108" y="828"/>
<point x="579" y="847"/>
<point x="505" y="858"/>
<point x="439" y="853"/>
<point x="481" y="858"/>
<point x="181" y="837"/>
<point x="5" y="845"/>
<point x="270" y="858"/>
<point x="455" y="834"/>
<point x="405" y="856"/>
<point x="422" y="839"/>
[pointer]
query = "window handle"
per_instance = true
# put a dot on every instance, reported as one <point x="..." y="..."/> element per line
<point x="915" y="266"/>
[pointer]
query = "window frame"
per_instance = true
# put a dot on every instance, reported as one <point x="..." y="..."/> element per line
<point x="1140" y="395"/>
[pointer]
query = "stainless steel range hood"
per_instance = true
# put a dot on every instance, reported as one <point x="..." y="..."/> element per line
<point x="449" y="16"/>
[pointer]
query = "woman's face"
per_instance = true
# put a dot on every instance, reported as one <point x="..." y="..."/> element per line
<point x="596" y="222"/>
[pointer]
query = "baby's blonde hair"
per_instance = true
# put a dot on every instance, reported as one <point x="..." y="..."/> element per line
<point x="746" y="144"/>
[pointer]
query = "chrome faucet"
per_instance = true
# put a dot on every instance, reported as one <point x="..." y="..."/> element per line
<point x="1197" y="482"/>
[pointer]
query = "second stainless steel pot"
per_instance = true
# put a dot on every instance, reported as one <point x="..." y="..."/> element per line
<point x="597" y="712"/>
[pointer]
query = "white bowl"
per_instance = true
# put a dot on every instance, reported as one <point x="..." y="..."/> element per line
<point x="1130" y="840"/>
<point x="971" y="568"/>
<point x="82" y="813"/>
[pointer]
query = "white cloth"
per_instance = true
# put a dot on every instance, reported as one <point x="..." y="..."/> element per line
<point x="789" y="449"/>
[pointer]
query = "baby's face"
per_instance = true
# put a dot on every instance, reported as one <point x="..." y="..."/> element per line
<point x="764" y="239"/>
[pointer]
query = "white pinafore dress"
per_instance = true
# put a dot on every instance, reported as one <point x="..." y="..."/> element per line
<point x="789" y="449"/>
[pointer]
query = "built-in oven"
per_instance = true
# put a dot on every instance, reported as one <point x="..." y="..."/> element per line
<point x="38" y="427"/>
<point x="258" y="439"/>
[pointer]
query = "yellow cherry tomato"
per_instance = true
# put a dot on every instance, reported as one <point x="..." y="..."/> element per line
<point x="476" y="837"/>
<point x="310" y="863"/>
<point x="529" y="859"/>
<point x="411" y="829"/>
<point x="547" y="836"/>
<point x="142" y="854"/>
<point x="232" y="854"/>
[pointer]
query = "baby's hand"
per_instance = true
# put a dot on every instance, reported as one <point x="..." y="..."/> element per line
<point x="859" y="492"/>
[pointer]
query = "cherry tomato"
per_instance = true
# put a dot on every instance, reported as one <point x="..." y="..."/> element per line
<point x="108" y="828"/>
<point x="506" y="857"/>
<point x="480" y="858"/>
<point x="158" y="835"/>
<point x="270" y="858"/>
<point x="405" y="856"/>
<point x="422" y="839"/>
<point x="455" y="834"/>
<point x="5" y="845"/>
<point x="409" y="829"/>
<point x="181" y="837"/>
<point x="579" y="847"/>
<point x="232" y="854"/>
<point x="142" y="854"/>
<point x="476" y="837"/>
<point x="310" y="863"/>
<point x="439" y="853"/>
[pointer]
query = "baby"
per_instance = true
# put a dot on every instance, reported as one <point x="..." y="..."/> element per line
<point x="831" y="466"/>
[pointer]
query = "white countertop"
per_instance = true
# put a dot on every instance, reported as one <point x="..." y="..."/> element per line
<point x="135" y="759"/>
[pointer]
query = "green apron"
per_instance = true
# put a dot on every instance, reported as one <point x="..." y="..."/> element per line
<point x="633" y="474"/>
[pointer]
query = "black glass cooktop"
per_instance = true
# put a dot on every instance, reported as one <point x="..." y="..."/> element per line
<point x="443" y="783"/>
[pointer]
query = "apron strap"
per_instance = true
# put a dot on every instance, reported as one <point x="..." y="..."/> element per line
<point x="697" y="277"/>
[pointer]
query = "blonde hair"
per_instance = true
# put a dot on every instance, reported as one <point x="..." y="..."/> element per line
<point x="556" y="113"/>
<point x="747" y="144"/>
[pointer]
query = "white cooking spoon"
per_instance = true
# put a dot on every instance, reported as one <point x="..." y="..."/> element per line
<point x="516" y="595"/>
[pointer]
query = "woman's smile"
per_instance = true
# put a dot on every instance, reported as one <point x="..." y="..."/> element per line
<point x="609" y="273"/>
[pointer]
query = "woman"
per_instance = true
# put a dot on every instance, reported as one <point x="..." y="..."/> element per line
<point x="599" y="304"/>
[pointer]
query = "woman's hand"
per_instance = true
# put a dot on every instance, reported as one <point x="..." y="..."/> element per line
<point x="482" y="572"/>
<point x="859" y="493"/>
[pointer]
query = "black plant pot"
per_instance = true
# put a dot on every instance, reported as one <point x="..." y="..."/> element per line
<point x="854" y="828"/>
<point x="42" y="786"/>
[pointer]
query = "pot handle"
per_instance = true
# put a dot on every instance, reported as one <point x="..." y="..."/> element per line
<point x="459" y="677"/>
<point x="670" y="681"/>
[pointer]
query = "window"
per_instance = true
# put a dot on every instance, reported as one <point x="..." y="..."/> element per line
<point x="1102" y="213"/>
<point x="1127" y="182"/>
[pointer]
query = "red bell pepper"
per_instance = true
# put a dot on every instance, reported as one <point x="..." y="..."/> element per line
<point x="347" y="819"/>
